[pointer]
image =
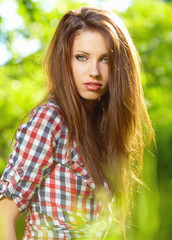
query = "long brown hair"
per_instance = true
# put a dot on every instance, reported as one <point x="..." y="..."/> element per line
<point x="112" y="143"/>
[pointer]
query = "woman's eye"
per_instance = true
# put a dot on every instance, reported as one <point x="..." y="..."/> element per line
<point x="105" y="59"/>
<point x="81" y="57"/>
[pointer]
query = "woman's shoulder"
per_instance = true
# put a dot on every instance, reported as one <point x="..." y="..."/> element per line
<point x="48" y="106"/>
<point x="48" y="111"/>
<point x="45" y="117"/>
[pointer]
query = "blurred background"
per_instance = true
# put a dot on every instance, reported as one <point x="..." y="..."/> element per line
<point x="26" y="27"/>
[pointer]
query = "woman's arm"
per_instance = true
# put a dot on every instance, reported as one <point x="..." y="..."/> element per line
<point x="9" y="214"/>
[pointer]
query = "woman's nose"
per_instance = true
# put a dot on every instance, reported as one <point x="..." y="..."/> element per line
<point x="94" y="70"/>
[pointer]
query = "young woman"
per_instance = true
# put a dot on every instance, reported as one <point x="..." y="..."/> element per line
<point x="86" y="136"/>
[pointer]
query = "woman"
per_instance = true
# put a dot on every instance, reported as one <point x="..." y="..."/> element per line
<point x="86" y="136"/>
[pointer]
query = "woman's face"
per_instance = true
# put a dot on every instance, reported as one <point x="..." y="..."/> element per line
<point x="89" y="64"/>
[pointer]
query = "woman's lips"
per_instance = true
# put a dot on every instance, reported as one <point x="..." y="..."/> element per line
<point x="93" y="86"/>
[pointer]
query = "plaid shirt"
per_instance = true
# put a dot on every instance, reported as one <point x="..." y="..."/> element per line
<point x="59" y="197"/>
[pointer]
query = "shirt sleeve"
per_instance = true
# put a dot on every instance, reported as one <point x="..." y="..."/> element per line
<point x="32" y="156"/>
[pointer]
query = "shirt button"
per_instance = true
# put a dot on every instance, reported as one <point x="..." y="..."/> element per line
<point x="20" y="170"/>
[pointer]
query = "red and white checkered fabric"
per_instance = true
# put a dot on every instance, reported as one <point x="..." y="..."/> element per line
<point x="59" y="197"/>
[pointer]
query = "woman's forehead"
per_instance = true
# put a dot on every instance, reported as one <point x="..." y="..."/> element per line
<point x="89" y="40"/>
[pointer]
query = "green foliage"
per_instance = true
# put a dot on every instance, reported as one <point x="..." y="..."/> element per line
<point x="150" y="24"/>
<point x="22" y="86"/>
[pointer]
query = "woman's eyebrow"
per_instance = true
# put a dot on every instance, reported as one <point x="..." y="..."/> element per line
<point x="81" y="51"/>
